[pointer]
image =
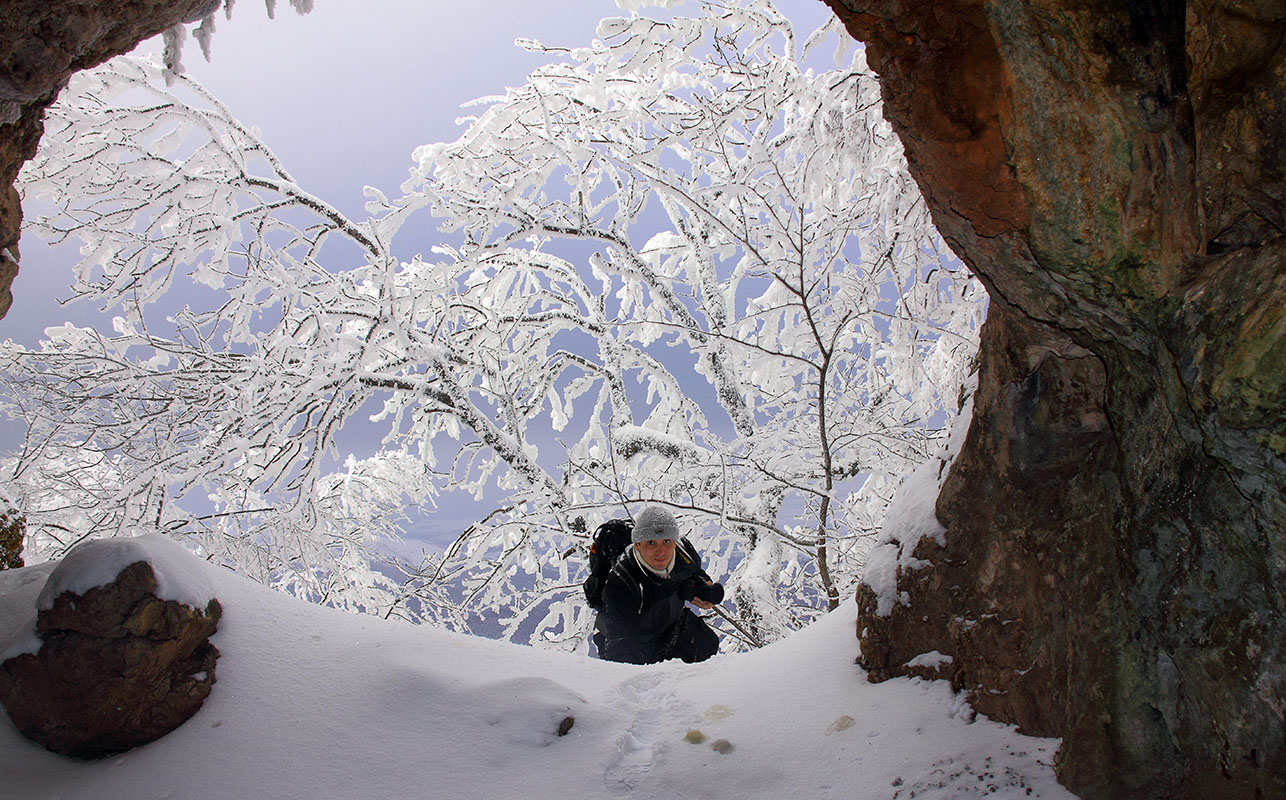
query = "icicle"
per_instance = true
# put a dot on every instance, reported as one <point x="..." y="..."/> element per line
<point x="203" y="33"/>
<point x="173" y="54"/>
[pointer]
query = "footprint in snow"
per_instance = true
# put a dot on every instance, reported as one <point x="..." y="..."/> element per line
<point x="651" y="711"/>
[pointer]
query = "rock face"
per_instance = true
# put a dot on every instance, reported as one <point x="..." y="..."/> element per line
<point x="1115" y="565"/>
<point x="13" y="529"/>
<point x="1115" y="172"/>
<point x="42" y="42"/>
<point x="116" y="668"/>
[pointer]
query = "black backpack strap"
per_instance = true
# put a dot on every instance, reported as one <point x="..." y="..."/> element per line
<point x="687" y="551"/>
<point x="627" y="570"/>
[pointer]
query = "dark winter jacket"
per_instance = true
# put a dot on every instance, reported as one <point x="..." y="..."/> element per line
<point x="644" y="619"/>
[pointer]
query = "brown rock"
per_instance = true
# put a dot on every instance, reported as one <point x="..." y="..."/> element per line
<point x="565" y="727"/>
<point x="42" y="42"/>
<point x="117" y="668"/>
<point x="1114" y="570"/>
<point x="13" y="529"/>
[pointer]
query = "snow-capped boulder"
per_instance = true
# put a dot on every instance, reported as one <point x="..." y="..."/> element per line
<point x="118" y="651"/>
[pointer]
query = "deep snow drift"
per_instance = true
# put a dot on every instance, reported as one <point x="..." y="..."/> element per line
<point x="313" y="704"/>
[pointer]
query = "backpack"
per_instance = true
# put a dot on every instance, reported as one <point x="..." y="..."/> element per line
<point x="609" y="541"/>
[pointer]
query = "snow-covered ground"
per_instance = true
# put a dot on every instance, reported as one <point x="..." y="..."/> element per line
<point x="315" y="704"/>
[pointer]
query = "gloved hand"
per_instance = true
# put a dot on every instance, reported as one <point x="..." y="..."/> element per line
<point x="711" y="593"/>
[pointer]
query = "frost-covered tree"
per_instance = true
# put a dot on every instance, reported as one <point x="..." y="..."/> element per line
<point x="676" y="266"/>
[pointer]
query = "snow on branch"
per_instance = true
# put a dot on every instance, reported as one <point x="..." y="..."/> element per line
<point x="675" y="266"/>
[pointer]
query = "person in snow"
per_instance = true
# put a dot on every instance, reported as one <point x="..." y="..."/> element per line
<point x="645" y="619"/>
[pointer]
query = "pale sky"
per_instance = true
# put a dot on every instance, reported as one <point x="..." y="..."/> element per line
<point x="344" y="94"/>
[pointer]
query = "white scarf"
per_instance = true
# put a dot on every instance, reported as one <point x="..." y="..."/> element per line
<point x="660" y="573"/>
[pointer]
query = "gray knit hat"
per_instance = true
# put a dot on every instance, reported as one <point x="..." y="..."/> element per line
<point x="654" y="522"/>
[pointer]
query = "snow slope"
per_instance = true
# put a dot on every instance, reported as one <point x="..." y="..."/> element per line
<point x="314" y="703"/>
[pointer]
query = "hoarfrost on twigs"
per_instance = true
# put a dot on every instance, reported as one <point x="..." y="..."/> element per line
<point x="674" y="266"/>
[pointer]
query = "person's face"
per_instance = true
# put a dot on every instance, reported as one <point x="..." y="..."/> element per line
<point x="657" y="552"/>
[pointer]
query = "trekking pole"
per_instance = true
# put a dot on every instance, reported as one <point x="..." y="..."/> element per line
<point x="750" y="637"/>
